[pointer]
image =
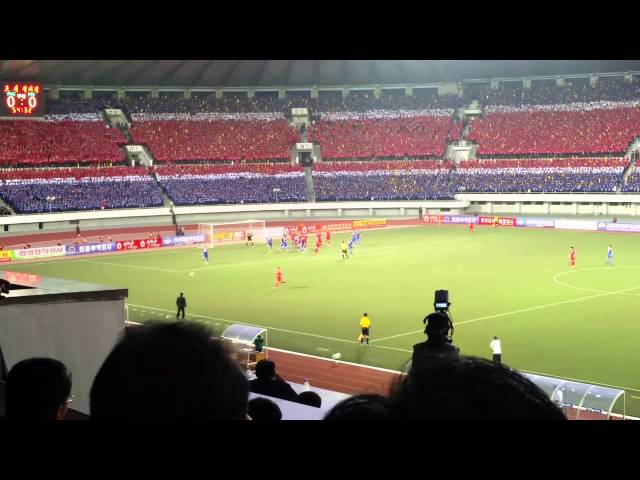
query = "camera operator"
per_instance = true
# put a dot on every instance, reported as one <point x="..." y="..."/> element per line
<point x="439" y="329"/>
<point x="438" y="340"/>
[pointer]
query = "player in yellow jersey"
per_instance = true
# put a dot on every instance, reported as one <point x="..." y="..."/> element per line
<point x="365" y="325"/>
<point x="343" y="249"/>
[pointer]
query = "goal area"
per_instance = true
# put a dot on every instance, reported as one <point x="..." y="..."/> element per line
<point x="229" y="232"/>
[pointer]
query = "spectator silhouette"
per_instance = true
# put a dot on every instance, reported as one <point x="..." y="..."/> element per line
<point x="310" y="398"/>
<point x="169" y="371"/>
<point x="361" y="407"/>
<point x="264" y="409"/>
<point x="270" y="384"/>
<point x="38" y="389"/>
<point x="469" y="388"/>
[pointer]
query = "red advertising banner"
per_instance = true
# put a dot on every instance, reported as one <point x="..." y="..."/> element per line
<point x="432" y="218"/>
<point x="138" y="244"/>
<point x="335" y="226"/>
<point x="504" y="221"/>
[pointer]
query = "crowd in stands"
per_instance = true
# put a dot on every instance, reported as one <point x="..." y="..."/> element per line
<point x="356" y="101"/>
<point x="234" y="188"/>
<point x="174" y="140"/>
<point x="574" y="163"/>
<point x="556" y="132"/>
<point x="632" y="184"/>
<point x="368" y="138"/>
<point x="285" y="167"/>
<point x="536" y="181"/>
<point x="546" y="92"/>
<point x="555" y="175"/>
<point x="177" y="371"/>
<point x="71" y="173"/>
<point x="63" y="106"/>
<point x="26" y="190"/>
<point x="403" y="180"/>
<point x="64" y="142"/>
<point x="412" y="185"/>
<point x="35" y="196"/>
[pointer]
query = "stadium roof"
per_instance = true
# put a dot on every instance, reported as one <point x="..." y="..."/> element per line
<point x="291" y="73"/>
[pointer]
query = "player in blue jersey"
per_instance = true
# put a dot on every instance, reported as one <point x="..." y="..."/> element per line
<point x="610" y="255"/>
<point x="357" y="237"/>
<point x="270" y="243"/>
<point x="205" y="254"/>
<point x="283" y="243"/>
<point x="351" y="247"/>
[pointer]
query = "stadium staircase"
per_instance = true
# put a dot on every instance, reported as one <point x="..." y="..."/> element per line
<point x="628" y="170"/>
<point x="466" y="128"/>
<point x="166" y="201"/>
<point x="127" y="134"/>
<point x="6" y="206"/>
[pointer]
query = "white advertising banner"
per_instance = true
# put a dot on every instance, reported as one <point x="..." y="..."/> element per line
<point x="576" y="224"/>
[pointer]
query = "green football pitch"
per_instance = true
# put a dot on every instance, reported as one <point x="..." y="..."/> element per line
<point x="513" y="283"/>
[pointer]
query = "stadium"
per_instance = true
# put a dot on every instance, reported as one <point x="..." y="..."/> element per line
<point x="311" y="214"/>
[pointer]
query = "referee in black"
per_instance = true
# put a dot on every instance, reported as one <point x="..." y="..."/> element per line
<point x="181" y="302"/>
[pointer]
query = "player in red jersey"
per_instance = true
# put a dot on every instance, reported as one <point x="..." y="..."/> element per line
<point x="318" y="243"/>
<point x="279" y="279"/>
<point x="328" y="237"/>
<point x="471" y="226"/>
<point x="572" y="257"/>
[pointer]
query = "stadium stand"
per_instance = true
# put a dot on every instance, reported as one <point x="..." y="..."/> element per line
<point x="26" y="191"/>
<point x="59" y="142"/>
<point x="566" y="130"/>
<point x="546" y="92"/>
<point x="420" y="136"/>
<point x="180" y="140"/>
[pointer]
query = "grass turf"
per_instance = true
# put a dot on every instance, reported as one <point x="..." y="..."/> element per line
<point x="513" y="283"/>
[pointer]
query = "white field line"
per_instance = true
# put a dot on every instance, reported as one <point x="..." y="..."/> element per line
<point x="354" y="342"/>
<point x="127" y="265"/>
<point x="529" y="309"/>
<point x="213" y="266"/>
<point x="270" y="328"/>
<point x="558" y="275"/>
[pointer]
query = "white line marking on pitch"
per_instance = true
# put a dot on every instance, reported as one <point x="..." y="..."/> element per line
<point x="557" y="275"/>
<point x="127" y="265"/>
<point x="529" y="309"/>
<point x="274" y="328"/>
<point x="375" y="346"/>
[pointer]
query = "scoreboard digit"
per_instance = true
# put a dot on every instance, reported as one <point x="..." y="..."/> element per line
<point x="22" y="99"/>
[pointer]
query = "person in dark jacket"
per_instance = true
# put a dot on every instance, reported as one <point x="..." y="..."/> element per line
<point x="181" y="302"/>
<point x="270" y="384"/>
<point x="438" y="345"/>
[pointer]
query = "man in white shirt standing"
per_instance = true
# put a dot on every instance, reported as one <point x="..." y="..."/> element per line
<point x="496" y="349"/>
